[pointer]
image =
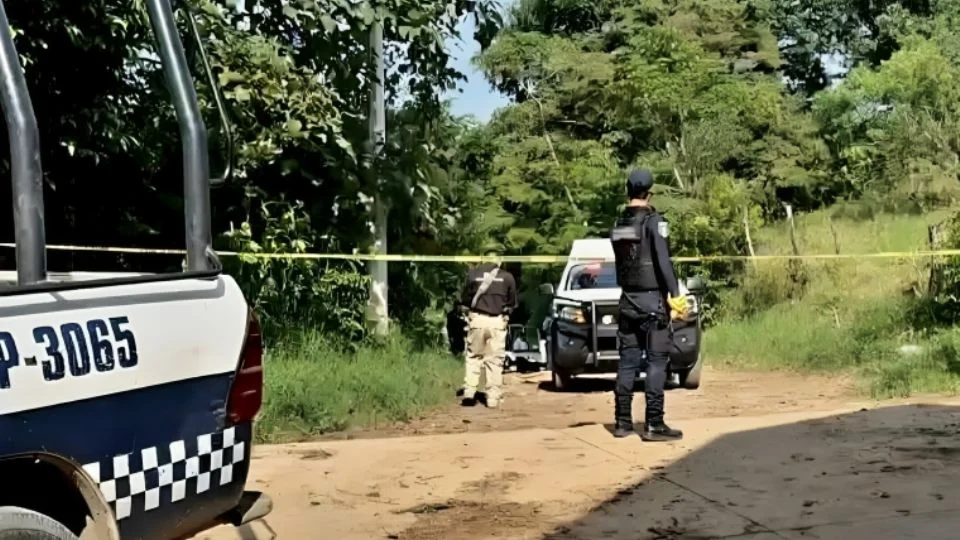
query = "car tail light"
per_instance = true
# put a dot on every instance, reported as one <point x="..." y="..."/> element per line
<point x="246" y="394"/>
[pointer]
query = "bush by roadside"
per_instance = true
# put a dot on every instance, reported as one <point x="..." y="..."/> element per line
<point x="313" y="386"/>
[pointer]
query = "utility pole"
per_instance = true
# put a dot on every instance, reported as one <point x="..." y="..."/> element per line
<point x="377" y="307"/>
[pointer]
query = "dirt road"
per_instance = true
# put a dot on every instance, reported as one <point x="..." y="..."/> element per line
<point x="531" y="403"/>
<point x="765" y="456"/>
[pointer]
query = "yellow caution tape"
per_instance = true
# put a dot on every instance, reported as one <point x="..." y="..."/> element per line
<point x="534" y="259"/>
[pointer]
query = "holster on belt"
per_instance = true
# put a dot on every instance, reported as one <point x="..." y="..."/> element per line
<point x="646" y="316"/>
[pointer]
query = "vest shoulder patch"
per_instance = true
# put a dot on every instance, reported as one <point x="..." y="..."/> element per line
<point x="663" y="229"/>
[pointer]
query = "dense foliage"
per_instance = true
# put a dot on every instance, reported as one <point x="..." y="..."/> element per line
<point x="741" y="107"/>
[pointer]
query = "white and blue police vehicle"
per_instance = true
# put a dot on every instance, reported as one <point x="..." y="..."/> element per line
<point x="126" y="400"/>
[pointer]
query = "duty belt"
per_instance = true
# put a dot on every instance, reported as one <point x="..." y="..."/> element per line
<point x="650" y="315"/>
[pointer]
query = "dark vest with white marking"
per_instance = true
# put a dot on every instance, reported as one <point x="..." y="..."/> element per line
<point x="631" y="247"/>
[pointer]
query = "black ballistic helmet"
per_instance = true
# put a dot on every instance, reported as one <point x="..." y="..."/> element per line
<point x="639" y="183"/>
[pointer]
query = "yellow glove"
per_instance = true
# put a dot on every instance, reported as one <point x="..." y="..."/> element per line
<point x="679" y="308"/>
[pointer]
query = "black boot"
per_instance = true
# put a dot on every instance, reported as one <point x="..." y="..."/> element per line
<point x="623" y="417"/>
<point x="657" y="431"/>
<point x="623" y="430"/>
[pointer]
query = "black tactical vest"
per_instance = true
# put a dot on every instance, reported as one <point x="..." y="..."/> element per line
<point x="631" y="246"/>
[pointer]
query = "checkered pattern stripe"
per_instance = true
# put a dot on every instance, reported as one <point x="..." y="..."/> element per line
<point x="157" y="475"/>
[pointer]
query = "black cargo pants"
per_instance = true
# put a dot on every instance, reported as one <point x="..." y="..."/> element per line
<point x="642" y="326"/>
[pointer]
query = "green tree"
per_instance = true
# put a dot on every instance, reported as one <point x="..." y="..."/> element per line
<point x="892" y="130"/>
<point x="691" y="89"/>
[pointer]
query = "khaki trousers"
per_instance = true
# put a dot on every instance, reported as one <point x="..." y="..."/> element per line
<point x="486" y="347"/>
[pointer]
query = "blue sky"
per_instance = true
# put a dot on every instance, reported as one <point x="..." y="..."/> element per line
<point x="477" y="98"/>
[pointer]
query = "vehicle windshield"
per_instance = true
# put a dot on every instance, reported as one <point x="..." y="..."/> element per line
<point x="592" y="276"/>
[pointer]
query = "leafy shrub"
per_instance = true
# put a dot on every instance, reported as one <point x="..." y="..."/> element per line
<point x="296" y="292"/>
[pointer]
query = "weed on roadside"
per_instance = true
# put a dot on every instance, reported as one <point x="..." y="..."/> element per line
<point x="313" y="386"/>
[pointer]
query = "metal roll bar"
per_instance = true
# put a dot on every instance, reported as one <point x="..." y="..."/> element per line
<point x="25" y="168"/>
<point x="27" y="173"/>
<point x="193" y="135"/>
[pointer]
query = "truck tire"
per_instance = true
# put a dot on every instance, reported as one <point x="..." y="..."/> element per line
<point x="690" y="379"/>
<point x="562" y="381"/>
<point x="22" y="524"/>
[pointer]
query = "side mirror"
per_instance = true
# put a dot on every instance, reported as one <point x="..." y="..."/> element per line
<point x="546" y="289"/>
<point x="696" y="284"/>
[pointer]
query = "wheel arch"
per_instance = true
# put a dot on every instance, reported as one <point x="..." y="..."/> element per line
<point x="59" y="488"/>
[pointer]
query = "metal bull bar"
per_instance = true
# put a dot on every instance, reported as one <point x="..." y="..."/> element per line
<point x="596" y="330"/>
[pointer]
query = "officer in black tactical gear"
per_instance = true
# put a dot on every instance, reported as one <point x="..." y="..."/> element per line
<point x="650" y="298"/>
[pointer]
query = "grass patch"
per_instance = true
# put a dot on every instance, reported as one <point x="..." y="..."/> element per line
<point x="933" y="368"/>
<point x="314" y="387"/>
<point x="800" y="337"/>
<point x="884" y="232"/>
<point x="852" y="316"/>
<point x="875" y="342"/>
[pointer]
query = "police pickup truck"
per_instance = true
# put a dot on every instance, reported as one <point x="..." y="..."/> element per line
<point x="580" y="333"/>
<point x="126" y="400"/>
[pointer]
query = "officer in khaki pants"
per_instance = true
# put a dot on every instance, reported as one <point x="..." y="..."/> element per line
<point x="490" y="295"/>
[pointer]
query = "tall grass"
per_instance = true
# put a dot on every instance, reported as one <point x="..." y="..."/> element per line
<point x="883" y="232"/>
<point x="855" y="317"/>
<point x="314" y="387"/>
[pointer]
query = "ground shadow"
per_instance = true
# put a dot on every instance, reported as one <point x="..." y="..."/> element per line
<point x="882" y="474"/>
<point x="581" y="386"/>
<point x="595" y="385"/>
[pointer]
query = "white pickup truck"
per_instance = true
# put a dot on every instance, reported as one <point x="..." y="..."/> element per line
<point x="126" y="400"/>
<point x="580" y="333"/>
